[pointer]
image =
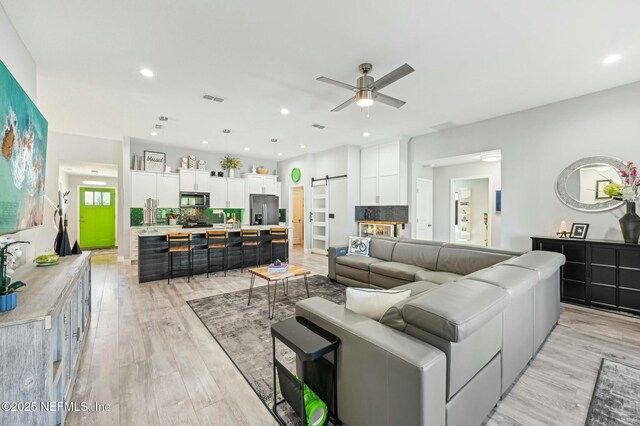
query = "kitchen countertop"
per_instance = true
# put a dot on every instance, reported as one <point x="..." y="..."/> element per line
<point x="156" y="230"/>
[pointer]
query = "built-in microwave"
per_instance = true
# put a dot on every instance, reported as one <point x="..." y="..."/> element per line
<point x="194" y="199"/>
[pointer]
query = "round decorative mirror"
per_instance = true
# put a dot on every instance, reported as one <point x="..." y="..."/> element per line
<point x="581" y="185"/>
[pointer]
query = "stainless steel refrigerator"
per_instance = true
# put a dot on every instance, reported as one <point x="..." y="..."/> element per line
<point x="264" y="210"/>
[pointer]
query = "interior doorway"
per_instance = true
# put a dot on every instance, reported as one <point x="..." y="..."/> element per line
<point x="97" y="217"/>
<point x="297" y="217"/>
<point x="424" y="209"/>
<point x="470" y="210"/>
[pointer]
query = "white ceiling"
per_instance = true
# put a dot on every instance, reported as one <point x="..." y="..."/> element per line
<point x="473" y="60"/>
<point x="82" y="168"/>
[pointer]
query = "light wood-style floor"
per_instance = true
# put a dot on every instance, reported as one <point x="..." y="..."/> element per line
<point x="150" y="357"/>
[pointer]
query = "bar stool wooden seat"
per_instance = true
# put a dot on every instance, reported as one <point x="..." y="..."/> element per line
<point x="179" y="242"/>
<point x="250" y="238"/>
<point x="280" y="236"/>
<point x="217" y="240"/>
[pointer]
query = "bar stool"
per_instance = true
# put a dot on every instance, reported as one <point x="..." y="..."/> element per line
<point x="249" y="239"/>
<point x="217" y="240"/>
<point x="176" y="244"/>
<point x="280" y="236"/>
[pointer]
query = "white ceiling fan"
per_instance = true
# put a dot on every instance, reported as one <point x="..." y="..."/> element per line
<point x="367" y="88"/>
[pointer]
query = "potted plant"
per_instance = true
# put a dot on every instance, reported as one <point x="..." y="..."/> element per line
<point x="8" y="263"/>
<point x="230" y="163"/>
<point x="627" y="191"/>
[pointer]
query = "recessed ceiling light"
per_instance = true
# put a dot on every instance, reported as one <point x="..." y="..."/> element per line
<point x="279" y="154"/>
<point x="303" y="146"/>
<point x="284" y="111"/>
<point x="205" y="142"/>
<point x="366" y="134"/>
<point x="611" y="59"/>
<point x="94" y="182"/>
<point x="146" y="72"/>
<point x="154" y="133"/>
<point x="246" y="148"/>
<point x="94" y="171"/>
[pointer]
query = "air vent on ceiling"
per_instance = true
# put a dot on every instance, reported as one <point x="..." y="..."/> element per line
<point x="163" y="118"/>
<point x="444" y="126"/>
<point x="158" y="126"/>
<point x="318" y="126"/>
<point x="213" y="98"/>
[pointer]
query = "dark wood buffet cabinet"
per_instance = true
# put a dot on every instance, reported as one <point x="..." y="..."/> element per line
<point x="599" y="273"/>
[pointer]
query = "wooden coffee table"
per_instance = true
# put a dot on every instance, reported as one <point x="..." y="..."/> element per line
<point x="263" y="272"/>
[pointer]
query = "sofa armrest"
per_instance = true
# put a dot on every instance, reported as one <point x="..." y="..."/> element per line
<point x="385" y="377"/>
<point x="334" y="252"/>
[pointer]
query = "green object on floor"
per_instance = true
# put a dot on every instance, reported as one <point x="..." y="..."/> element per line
<point x="316" y="409"/>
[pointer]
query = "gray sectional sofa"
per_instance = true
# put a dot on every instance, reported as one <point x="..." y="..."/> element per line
<point x="446" y="355"/>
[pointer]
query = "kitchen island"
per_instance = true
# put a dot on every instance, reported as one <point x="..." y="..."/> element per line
<point x="153" y="261"/>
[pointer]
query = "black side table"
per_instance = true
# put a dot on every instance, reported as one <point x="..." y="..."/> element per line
<point x="310" y="343"/>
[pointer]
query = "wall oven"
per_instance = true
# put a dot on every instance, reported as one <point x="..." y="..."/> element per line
<point x="194" y="199"/>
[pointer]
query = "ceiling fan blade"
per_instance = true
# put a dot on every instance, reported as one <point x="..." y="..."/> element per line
<point x="388" y="100"/>
<point x="337" y="83"/>
<point x="344" y="104"/>
<point x="393" y="76"/>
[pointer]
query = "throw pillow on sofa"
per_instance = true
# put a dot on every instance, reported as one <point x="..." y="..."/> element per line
<point x="359" y="246"/>
<point x="373" y="303"/>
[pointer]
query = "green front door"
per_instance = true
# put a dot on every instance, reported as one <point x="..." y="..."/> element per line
<point x="97" y="217"/>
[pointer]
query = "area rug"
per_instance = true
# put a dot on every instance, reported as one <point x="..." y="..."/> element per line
<point x="244" y="332"/>
<point x="616" y="396"/>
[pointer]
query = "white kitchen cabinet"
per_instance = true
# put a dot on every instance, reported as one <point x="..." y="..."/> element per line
<point x="218" y="192"/>
<point x="235" y="193"/>
<point x="383" y="173"/>
<point x="143" y="186"/>
<point x="194" y="180"/>
<point x="164" y="187"/>
<point x="261" y="184"/>
<point x="227" y="193"/>
<point x="168" y="190"/>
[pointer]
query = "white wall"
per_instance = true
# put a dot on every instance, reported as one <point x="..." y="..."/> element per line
<point x="334" y="162"/>
<point x="536" y="146"/>
<point x="442" y="201"/>
<point x="212" y="156"/>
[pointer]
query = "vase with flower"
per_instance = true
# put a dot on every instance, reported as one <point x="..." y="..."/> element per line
<point x="627" y="191"/>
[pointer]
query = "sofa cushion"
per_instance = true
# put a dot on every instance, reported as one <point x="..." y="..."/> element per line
<point x="382" y="247"/>
<point x="411" y="253"/>
<point x="358" y="246"/>
<point x="465" y="261"/>
<point x="358" y="262"/>
<point x="545" y="263"/>
<point x="453" y="311"/>
<point x="439" y="277"/>
<point x="373" y="303"/>
<point x="352" y="273"/>
<point x="514" y="280"/>
<point x="418" y="287"/>
<point x="383" y="281"/>
<point x="396" y="270"/>
<point x="393" y="316"/>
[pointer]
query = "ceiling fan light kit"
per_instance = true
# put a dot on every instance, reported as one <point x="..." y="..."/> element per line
<point x="366" y="88"/>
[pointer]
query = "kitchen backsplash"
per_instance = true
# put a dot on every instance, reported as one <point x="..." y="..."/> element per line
<point x="136" y="216"/>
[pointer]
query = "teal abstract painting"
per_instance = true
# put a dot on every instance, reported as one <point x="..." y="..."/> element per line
<point x="22" y="163"/>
